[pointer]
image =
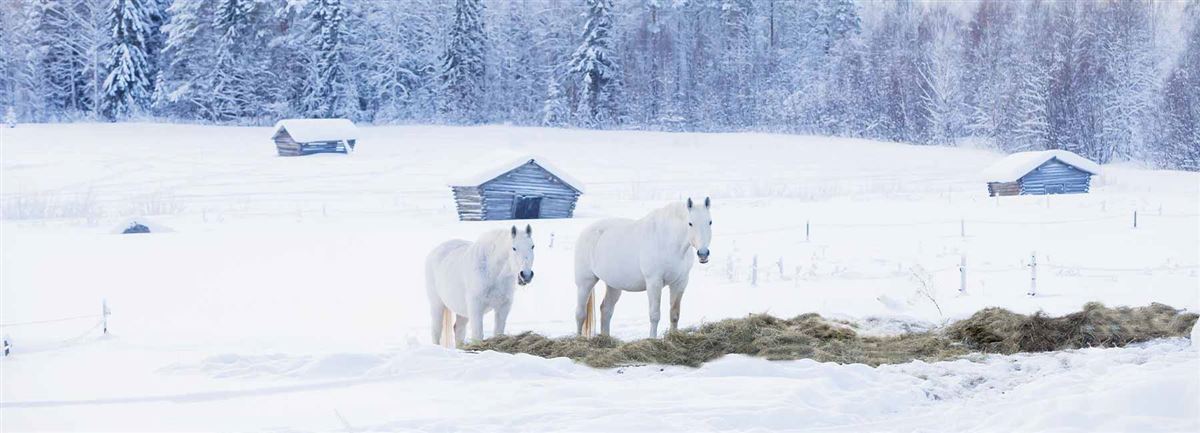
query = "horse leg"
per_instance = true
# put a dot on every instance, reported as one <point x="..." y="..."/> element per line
<point x="583" y="304"/>
<point x="611" y="296"/>
<point x="475" y="319"/>
<point x="676" y="296"/>
<point x="501" y="318"/>
<point x="460" y="330"/>
<point x="436" y="312"/>
<point x="654" y="292"/>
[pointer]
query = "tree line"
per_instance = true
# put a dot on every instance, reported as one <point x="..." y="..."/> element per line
<point x="1110" y="79"/>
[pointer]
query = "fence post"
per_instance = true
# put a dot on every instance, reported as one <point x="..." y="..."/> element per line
<point x="754" y="271"/>
<point x="551" y="239"/>
<point x="806" y="232"/>
<point x="104" y="312"/>
<point x="1135" y="219"/>
<point x="962" y="274"/>
<point x="1032" y="273"/>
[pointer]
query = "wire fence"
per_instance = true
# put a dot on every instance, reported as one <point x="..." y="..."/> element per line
<point x="100" y="321"/>
<point x="809" y="225"/>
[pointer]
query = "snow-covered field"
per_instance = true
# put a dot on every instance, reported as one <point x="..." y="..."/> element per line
<point x="286" y="294"/>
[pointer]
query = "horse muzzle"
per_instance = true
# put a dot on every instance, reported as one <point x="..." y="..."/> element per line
<point x="703" y="255"/>
<point x="524" y="277"/>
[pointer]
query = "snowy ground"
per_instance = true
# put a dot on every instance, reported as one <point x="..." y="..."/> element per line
<point x="287" y="294"/>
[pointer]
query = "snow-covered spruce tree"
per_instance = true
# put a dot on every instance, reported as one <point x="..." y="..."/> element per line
<point x="941" y="74"/>
<point x="70" y="38"/>
<point x="398" y="51"/>
<point x="515" y="89"/>
<point x="595" y="67"/>
<point x="1130" y="79"/>
<point x="464" y="71"/>
<point x="554" y="109"/>
<point x="127" y="85"/>
<point x="1181" y="103"/>
<point x="332" y="93"/>
<point x="834" y="20"/>
<point x="993" y="40"/>
<point x="184" y="87"/>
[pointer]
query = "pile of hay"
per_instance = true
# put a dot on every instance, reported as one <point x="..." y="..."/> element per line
<point x="996" y="330"/>
<point x="993" y="330"/>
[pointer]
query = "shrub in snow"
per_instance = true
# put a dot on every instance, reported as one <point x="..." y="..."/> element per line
<point x="140" y="225"/>
<point x="10" y="118"/>
<point x="136" y="228"/>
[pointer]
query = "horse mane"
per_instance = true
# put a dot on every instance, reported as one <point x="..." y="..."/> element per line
<point x="493" y="239"/>
<point x="673" y="210"/>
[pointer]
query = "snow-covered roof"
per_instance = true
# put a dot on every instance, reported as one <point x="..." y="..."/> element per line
<point x="475" y="176"/>
<point x="310" y="130"/>
<point x="1017" y="165"/>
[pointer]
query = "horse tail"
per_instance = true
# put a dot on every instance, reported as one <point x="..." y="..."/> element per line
<point x="447" y="339"/>
<point x="589" y="321"/>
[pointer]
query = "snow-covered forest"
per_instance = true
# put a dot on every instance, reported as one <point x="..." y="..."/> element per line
<point x="1111" y="80"/>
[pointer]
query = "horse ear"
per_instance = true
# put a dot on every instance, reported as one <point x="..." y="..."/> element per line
<point x="707" y="203"/>
<point x="514" y="231"/>
<point x="689" y="202"/>
<point x="528" y="230"/>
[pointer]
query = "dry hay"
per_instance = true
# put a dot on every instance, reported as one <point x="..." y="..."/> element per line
<point x="810" y="336"/>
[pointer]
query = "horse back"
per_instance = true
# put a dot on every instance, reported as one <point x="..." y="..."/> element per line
<point x="609" y="250"/>
<point x="440" y="255"/>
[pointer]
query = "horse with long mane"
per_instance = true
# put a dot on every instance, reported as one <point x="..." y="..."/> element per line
<point x="466" y="280"/>
<point x="640" y="255"/>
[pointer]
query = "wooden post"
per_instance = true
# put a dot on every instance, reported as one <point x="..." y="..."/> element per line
<point x="104" y="314"/>
<point x="962" y="274"/>
<point x="1032" y="274"/>
<point x="807" y="232"/>
<point x="551" y="239"/>
<point x="754" y="271"/>
<point x="1135" y="219"/>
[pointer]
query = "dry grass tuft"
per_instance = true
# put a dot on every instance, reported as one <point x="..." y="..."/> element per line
<point x="992" y="330"/>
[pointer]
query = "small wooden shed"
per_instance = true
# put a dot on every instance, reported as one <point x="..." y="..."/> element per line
<point x="295" y="137"/>
<point x="528" y="187"/>
<point x="1041" y="172"/>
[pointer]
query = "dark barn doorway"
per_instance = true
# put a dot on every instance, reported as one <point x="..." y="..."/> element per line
<point x="528" y="207"/>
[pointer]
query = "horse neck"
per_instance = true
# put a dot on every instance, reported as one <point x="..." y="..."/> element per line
<point x="673" y="219"/>
<point x="495" y="246"/>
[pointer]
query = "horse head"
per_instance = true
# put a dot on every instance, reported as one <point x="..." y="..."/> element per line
<point x="700" y="228"/>
<point x="522" y="254"/>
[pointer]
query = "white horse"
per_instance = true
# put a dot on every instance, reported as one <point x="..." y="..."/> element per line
<point x="469" y="279"/>
<point x="633" y="256"/>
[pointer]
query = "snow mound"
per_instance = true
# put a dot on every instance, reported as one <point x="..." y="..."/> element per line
<point x="486" y="170"/>
<point x="1195" y="335"/>
<point x="1017" y="165"/>
<point x="310" y="130"/>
